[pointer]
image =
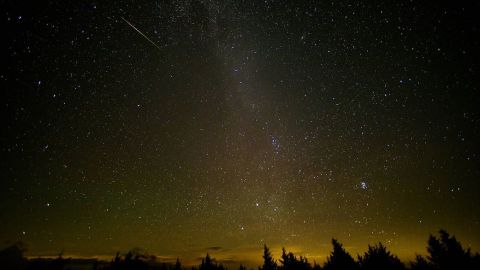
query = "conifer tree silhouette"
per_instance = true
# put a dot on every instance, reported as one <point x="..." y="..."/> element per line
<point x="290" y="262"/>
<point x="378" y="257"/>
<point x="12" y="257"/>
<point x="268" y="261"/>
<point x="445" y="253"/>
<point x="420" y="263"/>
<point x="206" y="263"/>
<point x="339" y="258"/>
<point x="316" y="266"/>
<point x="209" y="264"/>
<point x="285" y="260"/>
<point x="178" y="265"/>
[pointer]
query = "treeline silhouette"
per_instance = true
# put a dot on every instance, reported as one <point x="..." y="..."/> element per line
<point x="443" y="253"/>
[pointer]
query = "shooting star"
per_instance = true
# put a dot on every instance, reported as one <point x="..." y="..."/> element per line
<point x="142" y="34"/>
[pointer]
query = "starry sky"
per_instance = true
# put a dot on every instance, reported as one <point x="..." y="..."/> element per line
<point x="186" y="127"/>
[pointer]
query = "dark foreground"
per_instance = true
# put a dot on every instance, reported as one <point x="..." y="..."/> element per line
<point x="444" y="252"/>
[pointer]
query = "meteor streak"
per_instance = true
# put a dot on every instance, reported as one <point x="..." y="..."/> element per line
<point x="142" y="34"/>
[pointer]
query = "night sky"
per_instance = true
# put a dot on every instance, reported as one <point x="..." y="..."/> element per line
<point x="185" y="127"/>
